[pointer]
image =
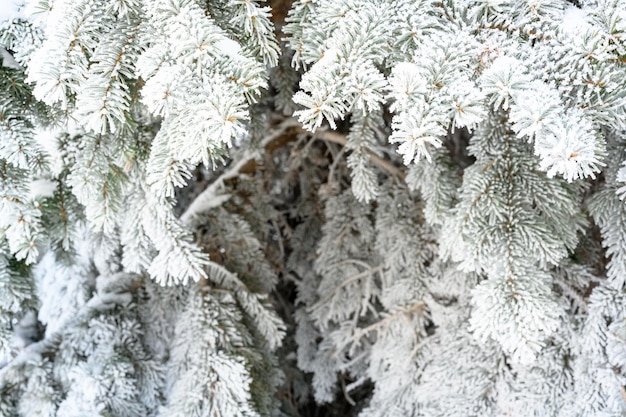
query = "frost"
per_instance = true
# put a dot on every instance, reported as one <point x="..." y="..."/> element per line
<point x="374" y="208"/>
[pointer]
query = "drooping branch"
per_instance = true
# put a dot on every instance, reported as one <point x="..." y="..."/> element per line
<point x="99" y="302"/>
<point x="346" y="282"/>
<point x="418" y="308"/>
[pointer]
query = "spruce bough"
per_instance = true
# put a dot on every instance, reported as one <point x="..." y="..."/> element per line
<point x="294" y="208"/>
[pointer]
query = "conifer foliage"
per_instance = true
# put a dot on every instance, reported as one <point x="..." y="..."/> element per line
<point x="313" y="207"/>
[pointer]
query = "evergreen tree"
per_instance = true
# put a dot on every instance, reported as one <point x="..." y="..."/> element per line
<point x="313" y="207"/>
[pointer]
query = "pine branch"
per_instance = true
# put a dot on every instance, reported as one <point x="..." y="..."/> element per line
<point x="346" y="282"/>
<point x="418" y="307"/>
<point x="99" y="302"/>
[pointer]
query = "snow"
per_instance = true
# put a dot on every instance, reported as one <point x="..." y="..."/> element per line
<point x="574" y="20"/>
<point x="47" y="139"/>
<point x="42" y="188"/>
<point x="12" y="9"/>
<point x="228" y="47"/>
<point x="8" y="60"/>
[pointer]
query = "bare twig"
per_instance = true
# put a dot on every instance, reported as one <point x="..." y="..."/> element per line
<point x="214" y="196"/>
<point x="330" y="136"/>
